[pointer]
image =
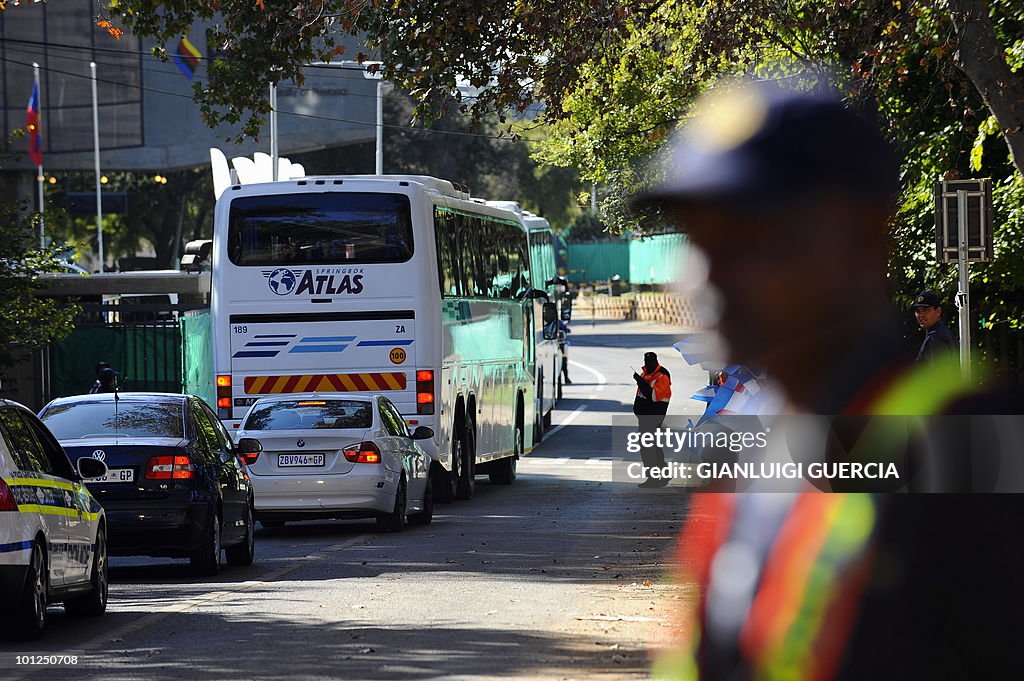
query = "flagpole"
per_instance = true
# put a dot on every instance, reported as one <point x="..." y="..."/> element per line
<point x="96" y="147"/>
<point x="39" y="167"/>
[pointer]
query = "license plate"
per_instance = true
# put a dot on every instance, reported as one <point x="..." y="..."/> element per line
<point x="285" y="460"/>
<point x="116" y="475"/>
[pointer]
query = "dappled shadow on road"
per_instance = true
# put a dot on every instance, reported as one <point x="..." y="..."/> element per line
<point x="626" y="341"/>
<point x="338" y="648"/>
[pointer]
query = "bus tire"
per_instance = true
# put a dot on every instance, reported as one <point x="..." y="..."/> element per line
<point x="465" y="482"/>
<point x="504" y="472"/>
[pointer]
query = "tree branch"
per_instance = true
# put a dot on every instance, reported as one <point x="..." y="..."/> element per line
<point x="982" y="59"/>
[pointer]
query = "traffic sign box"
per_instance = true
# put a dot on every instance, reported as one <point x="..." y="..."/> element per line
<point x="979" y="220"/>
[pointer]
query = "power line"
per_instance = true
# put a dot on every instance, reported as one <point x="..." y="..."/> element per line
<point x="146" y="53"/>
<point x="335" y="72"/>
<point x="287" y="113"/>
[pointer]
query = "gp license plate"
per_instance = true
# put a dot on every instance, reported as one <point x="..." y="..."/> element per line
<point x="116" y="475"/>
<point x="285" y="460"/>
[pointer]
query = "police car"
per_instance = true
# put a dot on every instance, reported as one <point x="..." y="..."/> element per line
<point x="53" y="545"/>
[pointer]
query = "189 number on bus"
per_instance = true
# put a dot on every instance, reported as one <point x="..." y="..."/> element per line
<point x="240" y="329"/>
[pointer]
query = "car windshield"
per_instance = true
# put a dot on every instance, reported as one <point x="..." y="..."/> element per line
<point x="88" y="420"/>
<point x="310" y="414"/>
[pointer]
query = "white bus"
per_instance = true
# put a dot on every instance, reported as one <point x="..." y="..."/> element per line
<point x="544" y="276"/>
<point x="400" y="285"/>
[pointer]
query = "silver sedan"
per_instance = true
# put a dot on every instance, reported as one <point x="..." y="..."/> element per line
<point x="336" y="455"/>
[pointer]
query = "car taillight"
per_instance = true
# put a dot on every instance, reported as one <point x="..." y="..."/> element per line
<point x="224" y="391"/>
<point x="169" y="468"/>
<point x="425" y="391"/>
<point x="7" y="502"/>
<point x="249" y="458"/>
<point x="364" y="452"/>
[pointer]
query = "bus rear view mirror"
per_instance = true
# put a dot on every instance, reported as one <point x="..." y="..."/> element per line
<point x="550" y="319"/>
<point x="536" y="293"/>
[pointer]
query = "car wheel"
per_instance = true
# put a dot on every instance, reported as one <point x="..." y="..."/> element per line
<point x="206" y="559"/>
<point x="272" y="524"/>
<point x="94" y="603"/>
<point x="395" y="521"/>
<point x="466" y="481"/>
<point x="505" y="473"/>
<point x="425" y="516"/>
<point x="29" y="618"/>
<point x="244" y="552"/>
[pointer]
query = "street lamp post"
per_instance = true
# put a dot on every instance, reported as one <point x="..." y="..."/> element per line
<point x="273" y="132"/>
<point x="379" y="157"/>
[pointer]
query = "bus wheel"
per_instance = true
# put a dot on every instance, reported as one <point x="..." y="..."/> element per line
<point x="466" y="480"/>
<point x="505" y="473"/>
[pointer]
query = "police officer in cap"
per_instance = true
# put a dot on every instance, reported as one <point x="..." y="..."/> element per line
<point x="938" y="339"/>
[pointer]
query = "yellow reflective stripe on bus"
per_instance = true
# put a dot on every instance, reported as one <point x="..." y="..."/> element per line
<point x="39" y="482"/>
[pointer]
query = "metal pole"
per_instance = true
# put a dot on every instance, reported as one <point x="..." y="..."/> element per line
<point x="963" y="298"/>
<point x="380" y="127"/>
<point x="39" y="168"/>
<point x="96" y="163"/>
<point x="273" y="131"/>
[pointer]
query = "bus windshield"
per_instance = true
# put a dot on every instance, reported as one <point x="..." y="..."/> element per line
<point x="329" y="228"/>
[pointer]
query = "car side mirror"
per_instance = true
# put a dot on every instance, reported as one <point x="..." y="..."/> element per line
<point x="422" y="433"/>
<point x="248" y="445"/>
<point x="89" y="467"/>
<point x="549" y="313"/>
<point x="248" y="450"/>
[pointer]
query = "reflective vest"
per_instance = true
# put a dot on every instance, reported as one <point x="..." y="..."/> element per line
<point x="781" y="576"/>
<point x="661" y="385"/>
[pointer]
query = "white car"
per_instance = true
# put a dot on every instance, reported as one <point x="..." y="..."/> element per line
<point x="53" y="544"/>
<point x="336" y="455"/>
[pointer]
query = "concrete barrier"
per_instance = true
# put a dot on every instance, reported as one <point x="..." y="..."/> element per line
<point x="668" y="308"/>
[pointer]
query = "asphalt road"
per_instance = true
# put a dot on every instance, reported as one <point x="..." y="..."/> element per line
<point x="562" y="575"/>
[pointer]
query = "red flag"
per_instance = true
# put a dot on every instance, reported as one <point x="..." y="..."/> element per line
<point x="35" y="135"/>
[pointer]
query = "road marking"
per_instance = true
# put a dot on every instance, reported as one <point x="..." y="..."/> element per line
<point x="295" y="563"/>
<point x="568" y="419"/>
<point x="601" y="380"/>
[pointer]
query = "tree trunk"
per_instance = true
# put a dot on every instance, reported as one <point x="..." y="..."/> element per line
<point x="981" y="57"/>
